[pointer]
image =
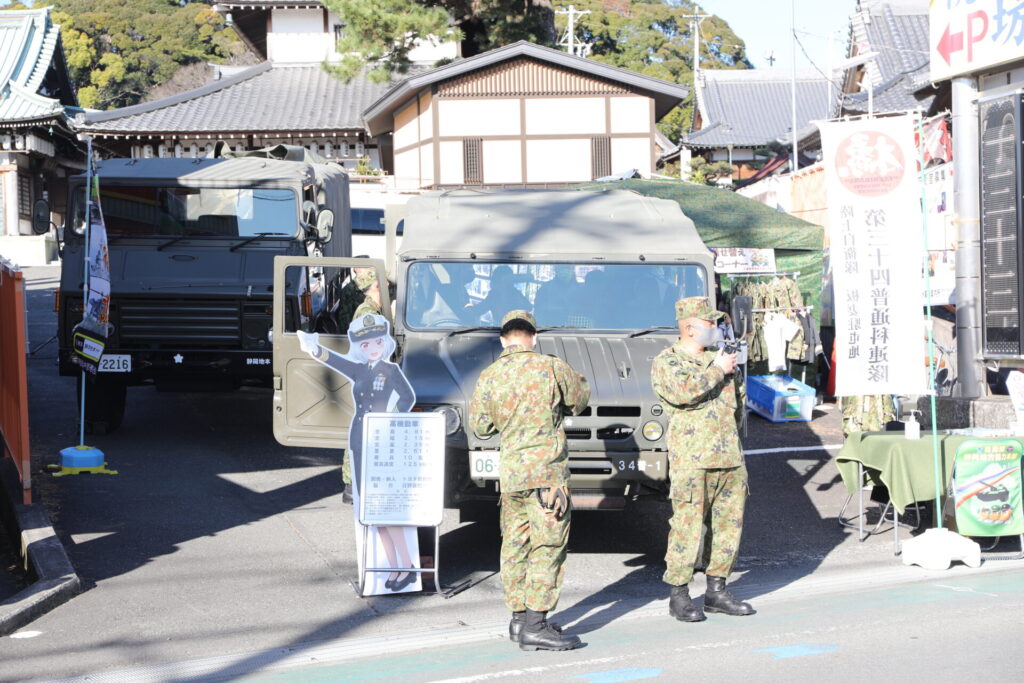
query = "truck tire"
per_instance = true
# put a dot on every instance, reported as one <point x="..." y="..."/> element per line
<point x="104" y="403"/>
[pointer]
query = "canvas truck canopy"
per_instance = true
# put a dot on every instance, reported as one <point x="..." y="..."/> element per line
<point x="726" y="219"/>
<point x="548" y="223"/>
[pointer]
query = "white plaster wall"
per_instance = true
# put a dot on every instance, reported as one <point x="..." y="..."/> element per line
<point x="557" y="161"/>
<point x="469" y="118"/>
<point x="503" y="161"/>
<point x="426" y="123"/>
<point x="451" y="163"/>
<point x="565" y="115"/>
<point x="407" y="165"/>
<point x="9" y="179"/>
<point x="631" y="114"/>
<point x="297" y="36"/>
<point x="406" y="126"/>
<point x="630" y="153"/>
<point x="426" y="165"/>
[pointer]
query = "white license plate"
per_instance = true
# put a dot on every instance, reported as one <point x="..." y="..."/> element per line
<point x="116" y="362"/>
<point x="484" y="464"/>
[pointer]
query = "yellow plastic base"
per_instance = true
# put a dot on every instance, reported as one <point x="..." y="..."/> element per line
<point x="64" y="471"/>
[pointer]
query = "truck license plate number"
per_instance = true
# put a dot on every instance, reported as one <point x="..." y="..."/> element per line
<point x="116" y="362"/>
<point x="483" y="464"/>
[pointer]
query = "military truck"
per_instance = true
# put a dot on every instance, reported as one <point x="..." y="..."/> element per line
<point x="601" y="272"/>
<point x="191" y="244"/>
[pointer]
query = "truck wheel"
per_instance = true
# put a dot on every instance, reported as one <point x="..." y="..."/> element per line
<point x="104" y="403"/>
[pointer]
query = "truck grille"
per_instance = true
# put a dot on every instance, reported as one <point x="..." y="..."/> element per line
<point x="175" y="322"/>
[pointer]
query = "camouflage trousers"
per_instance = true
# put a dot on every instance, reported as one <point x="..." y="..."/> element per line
<point x="714" y="497"/>
<point x="533" y="544"/>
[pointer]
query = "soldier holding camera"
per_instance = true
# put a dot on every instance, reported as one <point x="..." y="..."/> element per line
<point x="708" y="479"/>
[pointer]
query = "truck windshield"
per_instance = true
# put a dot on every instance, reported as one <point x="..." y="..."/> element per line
<point x="612" y="296"/>
<point x="192" y="211"/>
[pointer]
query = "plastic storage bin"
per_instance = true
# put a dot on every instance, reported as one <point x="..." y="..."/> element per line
<point x="780" y="398"/>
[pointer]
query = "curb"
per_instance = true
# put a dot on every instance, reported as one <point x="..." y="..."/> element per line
<point x="56" y="580"/>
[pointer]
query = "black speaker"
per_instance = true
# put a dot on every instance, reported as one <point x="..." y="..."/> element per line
<point x="1002" y="225"/>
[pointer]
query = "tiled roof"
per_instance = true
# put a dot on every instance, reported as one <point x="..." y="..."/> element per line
<point x="897" y="31"/>
<point x="28" y="44"/>
<point x="749" y="108"/>
<point x="265" y="98"/>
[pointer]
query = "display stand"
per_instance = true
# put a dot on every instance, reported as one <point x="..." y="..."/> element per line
<point x="401" y="481"/>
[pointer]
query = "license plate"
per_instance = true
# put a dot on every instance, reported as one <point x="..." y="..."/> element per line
<point x="116" y="362"/>
<point x="484" y="464"/>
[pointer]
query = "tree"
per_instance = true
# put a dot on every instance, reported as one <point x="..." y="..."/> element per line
<point x="709" y="172"/>
<point x="655" y="38"/>
<point x="118" y="50"/>
<point x="380" y="33"/>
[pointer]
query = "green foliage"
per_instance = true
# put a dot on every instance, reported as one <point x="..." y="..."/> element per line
<point x="655" y="38"/>
<point x="117" y="50"/>
<point x="380" y="33"/>
<point x="709" y="172"/>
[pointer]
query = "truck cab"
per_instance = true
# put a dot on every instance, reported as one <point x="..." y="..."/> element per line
<point x="191" y="247"/>
<point x="601" y="272"/>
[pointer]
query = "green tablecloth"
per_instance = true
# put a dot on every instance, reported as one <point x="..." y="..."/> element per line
<point x="905" y="467"/>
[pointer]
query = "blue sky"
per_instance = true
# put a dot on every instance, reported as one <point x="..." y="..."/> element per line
<point x="764" y="25"/>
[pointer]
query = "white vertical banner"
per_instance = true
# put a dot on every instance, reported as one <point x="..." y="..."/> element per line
<point x="877" y="252"/>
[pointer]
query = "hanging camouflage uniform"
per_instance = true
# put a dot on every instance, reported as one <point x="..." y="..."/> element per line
<point x="523" y="396"/>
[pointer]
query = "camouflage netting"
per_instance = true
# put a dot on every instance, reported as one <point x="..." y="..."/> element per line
<point x="726" y="219"/>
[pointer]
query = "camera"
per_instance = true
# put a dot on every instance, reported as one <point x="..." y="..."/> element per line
<point x="732" y="345"/>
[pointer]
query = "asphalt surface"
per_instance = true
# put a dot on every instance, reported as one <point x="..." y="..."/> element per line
<point x="215" y="541"/>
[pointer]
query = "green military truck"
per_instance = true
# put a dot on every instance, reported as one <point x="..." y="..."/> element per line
<point x="601" y="271"/>
<point x="192" y="244"/>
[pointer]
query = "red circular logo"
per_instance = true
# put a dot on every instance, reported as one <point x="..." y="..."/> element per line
<point x="869" y="163"/>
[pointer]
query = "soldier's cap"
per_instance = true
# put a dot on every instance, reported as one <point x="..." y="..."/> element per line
<point x="366" y="279"/>
<point x="697" y="307"/>
<point x="367" y="327"/>
<point x="519" y="314"/>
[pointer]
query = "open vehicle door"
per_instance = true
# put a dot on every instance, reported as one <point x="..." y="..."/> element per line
<point x="312" y="403"/>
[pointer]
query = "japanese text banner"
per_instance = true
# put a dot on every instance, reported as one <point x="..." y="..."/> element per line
<point x="874" y="204"/>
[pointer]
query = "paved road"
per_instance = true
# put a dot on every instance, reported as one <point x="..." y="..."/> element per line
<point x="215" y="541"/>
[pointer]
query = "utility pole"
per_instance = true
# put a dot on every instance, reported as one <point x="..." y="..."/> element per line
<point x="570" y="30"/>
<point x="695" y="22"/>
<point x="795" y="164"/>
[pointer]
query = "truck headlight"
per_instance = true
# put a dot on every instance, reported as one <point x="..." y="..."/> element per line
<point x="452" y="421"/>
<point x="653" y="430"/>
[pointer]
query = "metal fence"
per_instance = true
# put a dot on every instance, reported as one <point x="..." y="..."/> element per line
<point x="14" y="374"/>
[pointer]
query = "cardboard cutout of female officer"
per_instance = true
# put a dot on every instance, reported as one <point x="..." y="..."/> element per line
<point x="378" y="386"/>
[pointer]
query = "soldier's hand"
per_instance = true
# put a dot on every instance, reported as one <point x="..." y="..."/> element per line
<point x="727" y="362"/>
<point x="309" y="342"/>
<point x="555" y="499"/>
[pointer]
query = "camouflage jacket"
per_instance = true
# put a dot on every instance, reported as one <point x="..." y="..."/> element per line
<point x="523" y="396"/>
<point x="367" y="306"/>
<point x="704" y="405"/>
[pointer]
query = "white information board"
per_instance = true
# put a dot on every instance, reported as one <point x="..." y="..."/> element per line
<point x="402" y="476"/>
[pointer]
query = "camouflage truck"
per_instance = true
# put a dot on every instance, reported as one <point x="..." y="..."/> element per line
<point x="192" y="244"/>
<point x="601" y="272"/>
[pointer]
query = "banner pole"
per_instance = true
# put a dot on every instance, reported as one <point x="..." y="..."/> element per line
<point x="936" y="465"/>
<point x="85" y="281"/>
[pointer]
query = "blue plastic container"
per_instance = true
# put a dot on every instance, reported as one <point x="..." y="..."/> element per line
<point x="75" y="457"/>
<point x="780" y="398"/>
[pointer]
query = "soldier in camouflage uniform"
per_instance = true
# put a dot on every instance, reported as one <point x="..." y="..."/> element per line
<point x="523" y="396"/>
<point x="366" y="280"/>
<point x="708" y="478"/>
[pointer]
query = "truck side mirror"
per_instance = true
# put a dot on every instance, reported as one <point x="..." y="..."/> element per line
<point x="324" y="225"/>
<point x="41" y="217"/>
<point x="742" y="313"/>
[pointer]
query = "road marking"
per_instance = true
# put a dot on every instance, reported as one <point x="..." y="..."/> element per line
<point x="619" y="675"/>
<point x="965" y="589"/>
<point x="26" y="634"/>
<point x="793" y="449"/>
<point x="802" y="650"/>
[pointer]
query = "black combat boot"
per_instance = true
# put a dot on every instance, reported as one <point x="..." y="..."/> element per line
<point x="681" y="606"/>
<point x="515" y="627"/>
<point x="537" y="634"/>
<point x="717" y="599"/>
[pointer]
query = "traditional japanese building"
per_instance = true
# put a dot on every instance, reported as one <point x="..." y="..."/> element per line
<point x="521" y="115"/>
<point x="37" y="146"/>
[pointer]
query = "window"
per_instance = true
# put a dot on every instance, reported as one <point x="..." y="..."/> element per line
<point x="339" y="33"/>
<point x="472" y="161"/>
<point x="24" y="195"/>
<point x="600" y="157"/>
